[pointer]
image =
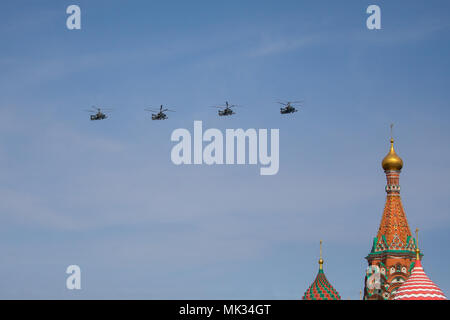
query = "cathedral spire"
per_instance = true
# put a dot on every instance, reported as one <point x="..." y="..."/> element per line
<point x="320" y="259"/>
<point x="417" y="245"/>
<point x="394" y="232"/>
<point x="394" y="249"/>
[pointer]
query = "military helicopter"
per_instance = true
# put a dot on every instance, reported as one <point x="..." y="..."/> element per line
<point x="97" y="113"/>
<point x="159" y="115"/>
<point x="289" y="106"/>
<point x="227" y="111"/>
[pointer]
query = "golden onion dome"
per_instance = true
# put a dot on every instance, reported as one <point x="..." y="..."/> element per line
<point x="392" y="161"/>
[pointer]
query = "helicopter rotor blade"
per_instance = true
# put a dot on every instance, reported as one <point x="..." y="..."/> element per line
<point x="292" y="103"/>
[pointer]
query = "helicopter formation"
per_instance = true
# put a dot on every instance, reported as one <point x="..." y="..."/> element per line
<point x="288" y="107"/>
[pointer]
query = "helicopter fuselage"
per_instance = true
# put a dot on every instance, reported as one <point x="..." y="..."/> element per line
<point x="287" y="110"/>
<point x="98" y="116"/>
<point x="226" y="112"/>
<point x="159" y="116"/>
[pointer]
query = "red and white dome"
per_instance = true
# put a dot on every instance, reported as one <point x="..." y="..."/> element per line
<point x="419" y="287"/>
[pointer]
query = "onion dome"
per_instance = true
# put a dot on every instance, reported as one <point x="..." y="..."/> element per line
<point x="321" y="289"/>
<point x="392" y="161"/>
<point x="419" y="286"/>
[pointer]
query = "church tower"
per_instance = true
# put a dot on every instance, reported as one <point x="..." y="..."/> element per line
<point x="393" y="251"/>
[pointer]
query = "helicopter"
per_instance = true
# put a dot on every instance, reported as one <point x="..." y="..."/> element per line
<point x="289" y="106"/>
<point x="159" y="115"/>
<point x="227" y="111"/>
<point x="98" y="114"/>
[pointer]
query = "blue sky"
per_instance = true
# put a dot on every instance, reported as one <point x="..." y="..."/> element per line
<point x="105" y="195"/>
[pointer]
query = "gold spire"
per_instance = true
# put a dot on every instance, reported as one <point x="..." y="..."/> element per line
<point x="320" y="260"/>
<point x="392" y="161"/>
<point x="417" y="245"/>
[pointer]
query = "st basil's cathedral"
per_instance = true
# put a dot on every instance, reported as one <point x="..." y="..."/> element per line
<point x="394" y="268"/>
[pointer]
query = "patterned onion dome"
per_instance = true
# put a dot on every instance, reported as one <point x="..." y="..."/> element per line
<point x="321" y="289"/>
<point x="419" y="287"/>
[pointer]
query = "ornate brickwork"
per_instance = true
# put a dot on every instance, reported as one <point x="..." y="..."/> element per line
<point x="394" y="232"/>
